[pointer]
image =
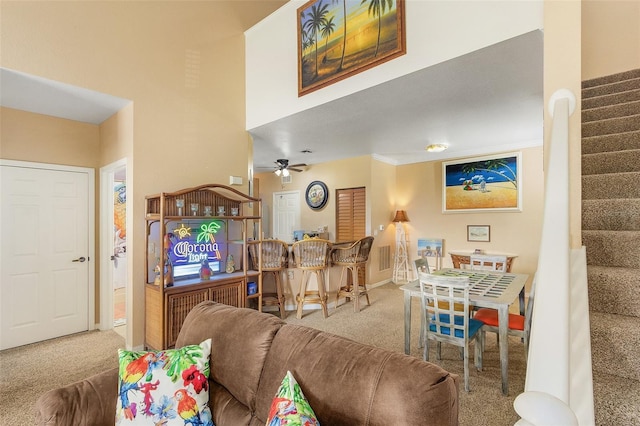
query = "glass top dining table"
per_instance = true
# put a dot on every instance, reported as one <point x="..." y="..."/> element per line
<point x="489" y="289"/>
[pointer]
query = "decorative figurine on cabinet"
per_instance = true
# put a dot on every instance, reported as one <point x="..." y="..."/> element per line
<point x="231" y="264"/>
<point x="168" y="266"/>
<point x="205" y="270"/>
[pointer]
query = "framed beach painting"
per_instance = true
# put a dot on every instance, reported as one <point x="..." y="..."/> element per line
<point x="491" y="183"/>
<point x="337" y="39"/>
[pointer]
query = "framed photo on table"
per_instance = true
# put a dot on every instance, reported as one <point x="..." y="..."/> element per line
<point x="316" y="195"/>
<point x="480" y="233"/>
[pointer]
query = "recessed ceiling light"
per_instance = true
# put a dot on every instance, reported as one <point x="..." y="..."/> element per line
<point x="436" y="147"/>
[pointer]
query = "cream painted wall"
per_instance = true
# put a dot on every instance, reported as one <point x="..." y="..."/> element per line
<point x="351" y="173"/>
<point x="182" y="66"/>
<point x="436" y="31"/>
<point x="417" y="188"/>
<point x="116" y="136"/>
<point x="40" y="138"/>
<point x="610" y="37"/>
<point x="379" y="180"/>
<point x="419" y="192"/>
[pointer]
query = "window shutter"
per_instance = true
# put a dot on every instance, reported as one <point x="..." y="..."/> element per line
<point x="350" y="214"/>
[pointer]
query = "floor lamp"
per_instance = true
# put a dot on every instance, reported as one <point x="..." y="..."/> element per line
<point x="401" y="260"/>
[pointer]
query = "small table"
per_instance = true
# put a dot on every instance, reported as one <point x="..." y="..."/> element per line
<point x="489" y="289"/>
<point x="459" y="258"/>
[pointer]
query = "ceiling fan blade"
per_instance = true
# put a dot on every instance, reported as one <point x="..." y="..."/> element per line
<point x="294" y="169"/>
<point x="298" y="165"/>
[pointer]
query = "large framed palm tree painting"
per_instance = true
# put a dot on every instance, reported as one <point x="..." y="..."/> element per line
<point x="340" y="38"/>
<point x="491" y="183"/>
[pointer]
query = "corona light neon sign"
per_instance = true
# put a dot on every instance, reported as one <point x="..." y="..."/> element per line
<point x="187" y="251"/>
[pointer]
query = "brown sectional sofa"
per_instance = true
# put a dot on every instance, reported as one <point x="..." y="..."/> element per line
<point x="346" y="383"/>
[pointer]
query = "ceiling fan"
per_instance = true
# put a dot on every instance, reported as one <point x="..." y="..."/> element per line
<point x="283" y="167"/>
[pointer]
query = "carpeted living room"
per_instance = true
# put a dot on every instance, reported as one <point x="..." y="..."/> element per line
<point x="31" y="370"/>
<point x="200" y="86"/>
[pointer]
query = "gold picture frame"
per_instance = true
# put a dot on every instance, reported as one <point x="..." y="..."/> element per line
<point x="339" y="39"/>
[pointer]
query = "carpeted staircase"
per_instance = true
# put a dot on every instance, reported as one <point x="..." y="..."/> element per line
<point x="611" y="234"/>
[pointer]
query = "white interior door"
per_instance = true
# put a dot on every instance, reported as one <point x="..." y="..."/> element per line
<point x="286" y="214"/>
<point x="44" y="229"/>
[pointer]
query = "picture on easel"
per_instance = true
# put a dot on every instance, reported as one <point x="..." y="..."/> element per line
<point x="431" y="247"/>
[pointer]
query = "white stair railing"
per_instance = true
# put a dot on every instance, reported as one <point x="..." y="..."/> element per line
<point x="550" y="398"/>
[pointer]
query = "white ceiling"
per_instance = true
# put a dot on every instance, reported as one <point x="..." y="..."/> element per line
<point x="487" y="101"/>
<point x="35" y="94"/>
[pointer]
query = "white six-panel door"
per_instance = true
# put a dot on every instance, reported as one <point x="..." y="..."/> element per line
<point x="286" y="214"/>
<point x="44" y="226"/>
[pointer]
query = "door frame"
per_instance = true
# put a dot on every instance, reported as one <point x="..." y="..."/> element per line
<point x="91" y="223"/>
<point x="107" y="235"/>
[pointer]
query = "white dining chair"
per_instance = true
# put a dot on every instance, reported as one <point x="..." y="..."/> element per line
<point x="445" y="310"/>
<point x="519" y="325"/>
<point x="487" y="262"/>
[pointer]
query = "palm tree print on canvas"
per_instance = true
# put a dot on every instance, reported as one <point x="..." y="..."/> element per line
<point x="339" y="38"/>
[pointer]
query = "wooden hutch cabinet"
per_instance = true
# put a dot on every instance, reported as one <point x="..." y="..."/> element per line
<point x="197" y="249"/>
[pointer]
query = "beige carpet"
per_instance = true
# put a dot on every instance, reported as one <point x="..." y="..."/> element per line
<point x="28" y="371"/>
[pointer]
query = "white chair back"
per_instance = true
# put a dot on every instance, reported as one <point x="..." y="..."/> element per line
<point x="488" y="263"/>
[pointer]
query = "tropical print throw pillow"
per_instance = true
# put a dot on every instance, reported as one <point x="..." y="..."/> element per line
<point x="290" y="407"/>
<point x="167" y="387"/>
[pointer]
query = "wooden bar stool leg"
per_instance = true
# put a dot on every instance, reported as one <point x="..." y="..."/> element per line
<point x="340" y="287"/>
<point x="303" y="289"/>
<point x="322" y="293"/>
<point x="364" y="287"/>
<point x="280" y="292"/>
<point x="355" y="289"/>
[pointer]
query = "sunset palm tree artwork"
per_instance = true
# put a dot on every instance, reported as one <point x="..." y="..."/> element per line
<point x="357" y="35"/>
<point x="491" y="183"/>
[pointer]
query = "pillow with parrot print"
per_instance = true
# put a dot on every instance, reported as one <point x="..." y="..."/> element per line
<point x="167" y="387"/>
<point x="290" y="407"/>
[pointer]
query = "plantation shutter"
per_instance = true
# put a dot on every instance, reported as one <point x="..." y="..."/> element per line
<point x="350" y="214"/>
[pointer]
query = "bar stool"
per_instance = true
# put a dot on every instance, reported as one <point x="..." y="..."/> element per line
<point x="275" y="256"/>
<point x="311" y="257"/>
<point x="352" y="258"/>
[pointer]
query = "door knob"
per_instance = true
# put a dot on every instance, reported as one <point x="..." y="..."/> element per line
<point x="80" y="259"/>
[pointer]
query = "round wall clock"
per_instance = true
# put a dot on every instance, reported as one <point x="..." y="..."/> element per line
<point x="317" y="195"/>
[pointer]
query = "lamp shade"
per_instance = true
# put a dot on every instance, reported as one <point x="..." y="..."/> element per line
<point x="401" y="216"/>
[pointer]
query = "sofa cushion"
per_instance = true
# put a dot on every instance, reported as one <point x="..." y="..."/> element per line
<point x="241" y="339"/>
<point x="167" y="387"/>
<point x="290" y="407"/>
<point x="349" y="383"/>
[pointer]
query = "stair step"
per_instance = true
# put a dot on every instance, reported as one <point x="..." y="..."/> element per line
<point x="614" y="343"/>
<point x="611" y="162"/>
<point x="613" y="290"/>
<point x="611" y="185"/>
<point x="616" y="400"/>
<point x="612" y="99"/>
<point x="610" y="88"/>
<point x="610" y="111"/>
<point x="612" y="248"/>
<point x="621" y="214"/>
<point x="613" y="78"/>
<point x="609" y="126"/>
<point x="608" y="143"/>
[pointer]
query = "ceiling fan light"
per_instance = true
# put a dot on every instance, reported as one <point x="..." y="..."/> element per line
<point x="436" y="147"/>
<point x="278" y="172"/>
<point x="285" y="172"/>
